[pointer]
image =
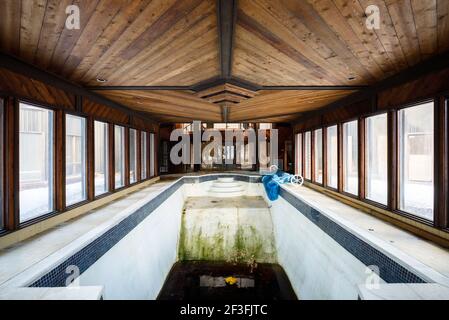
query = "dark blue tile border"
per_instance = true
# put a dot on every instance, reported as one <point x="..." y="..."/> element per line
<point x="391" y="271"/>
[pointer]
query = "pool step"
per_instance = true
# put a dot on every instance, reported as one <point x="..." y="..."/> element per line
<point x="226" y="187"/>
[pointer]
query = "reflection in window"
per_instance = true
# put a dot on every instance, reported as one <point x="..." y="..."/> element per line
<point x="298" y="148"/>
<point x="101" y="158"/>
<point x="119" y="156"/>
<point x="143" y="154"/>
<point x="376" y="156"/>
<point x="332" y="157"/>
<point x="350" y="158"/>
<point x="152" y="155"/>
<point x="75" y="160"/>
<point x="2" y="224"/>
<point x="308" y="155"/>
<point x="318" y="146"/>
<point x="416" y="149"/>
<point x="35" y="161"/>
<point x="132" y="155"/>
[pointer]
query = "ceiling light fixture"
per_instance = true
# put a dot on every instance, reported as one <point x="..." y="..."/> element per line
<point x="101" y="80"/>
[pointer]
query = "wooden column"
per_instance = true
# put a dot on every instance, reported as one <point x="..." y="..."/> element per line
<point x="392" y="161"/>
<point x="441" y="164"/>
<point x="59" y="173"/>
<point x="361" y="158"/>
<point x="11" y="178"/>
<point x="90" y="155"/>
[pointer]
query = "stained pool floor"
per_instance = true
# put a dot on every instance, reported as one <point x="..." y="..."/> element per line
<point x="205" y="281"/>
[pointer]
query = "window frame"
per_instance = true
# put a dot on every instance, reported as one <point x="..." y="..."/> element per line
<point x="342" y="149"/>
<point x="108" y="157"/>
<point x="326" y="185"/>
<point x="56" y="194"/>
<point x="136" y="156"/>
<point x="396" y="209"/>
<point x="82" y="202"/>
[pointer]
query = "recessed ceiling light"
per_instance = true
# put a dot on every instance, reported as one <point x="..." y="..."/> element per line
<point x="351" y="78"/>
<point x="101" y="80"/>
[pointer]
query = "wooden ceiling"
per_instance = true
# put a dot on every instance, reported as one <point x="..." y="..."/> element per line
<point x="167" y="43"/>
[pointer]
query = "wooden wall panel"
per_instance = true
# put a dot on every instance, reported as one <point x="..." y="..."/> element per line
<point x="420" y="89"/>
<point x="23" y="87"/>
<point x="105" y="113"/>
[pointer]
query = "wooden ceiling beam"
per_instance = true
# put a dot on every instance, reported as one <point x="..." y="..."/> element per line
<point x="226" y="17"/>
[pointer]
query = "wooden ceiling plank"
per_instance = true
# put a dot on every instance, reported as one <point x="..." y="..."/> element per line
<point x="172" y="45"/>
<point x="404" y="23"/>
<point x="112" y="59"/>
<point x="69" y="38"/>
<point x="31" y="24"/>
<point x="159" y="27"/>
<point x="329" y="12"/>
<point x="303" y="18"/>
<point x="109" y="36"/>
<point x="10" y="26"/>
<point x="355" y="17"/>
<point x="443" y="25"/>
<point x="257" y="21"/>
<point x="52" y="27"/>
<point x="425" y="13"/>
<point x="387" y="34"/>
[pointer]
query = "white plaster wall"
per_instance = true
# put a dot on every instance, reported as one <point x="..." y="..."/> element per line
<point x="137" y="266"/>
<point x="317" y="266"/>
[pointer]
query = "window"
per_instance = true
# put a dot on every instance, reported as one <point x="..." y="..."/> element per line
<point x="36" y="162"/>
<point x="119" y="156"/>
<point x="143" y="154"/>
<point x="132" y="155"/>
<point x="75" y="160"/>
<point x="376" y="158"/>
<point x="416" y="160"/>
<point x="101" y="158"/>
<point x="332" y="157"/>
<point x="2" y="224"/>
<point x="152" y="155"/>
<point x="298" y="148"/>
<point x="318" y="149"/>
<point x="308" y="155"/>
<point x="350" y="158"/>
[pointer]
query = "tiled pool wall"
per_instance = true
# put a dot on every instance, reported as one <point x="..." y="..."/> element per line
<point x="390" y="271"/>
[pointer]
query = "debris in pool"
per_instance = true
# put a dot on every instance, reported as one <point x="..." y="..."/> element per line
<point x="230" y="281"/>
<point x="370" y="229"/>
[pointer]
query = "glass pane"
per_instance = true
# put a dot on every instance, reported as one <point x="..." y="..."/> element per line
<point x="2" y="223"/>
<point x="332" y="157"/>
<point x="132" y="155"/>
<point x="75" y="160"/>
<point x="298" y="148"/>
<point x="376" y="157"/>
<point x="318" y="146"/>
<point x="35" y="161"/>
<point x="350" y="158"/>
<point x="119" y="156"/>
<point x="416" y="148"/>
<point x="152" y="155"/>
<point x="101" y="158"/>
<point x="307" y="154"/>
<point x="143" y="154"/>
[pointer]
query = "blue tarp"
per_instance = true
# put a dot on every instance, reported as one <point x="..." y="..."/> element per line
<point x="272" y="182"/>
